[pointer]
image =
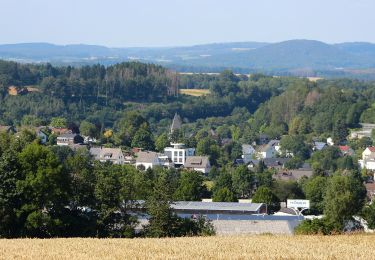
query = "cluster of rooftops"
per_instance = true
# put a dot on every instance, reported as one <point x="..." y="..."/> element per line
<point x="179" y="156"/>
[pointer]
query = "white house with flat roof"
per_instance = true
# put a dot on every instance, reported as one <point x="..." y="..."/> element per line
<point x="178" y="153"/>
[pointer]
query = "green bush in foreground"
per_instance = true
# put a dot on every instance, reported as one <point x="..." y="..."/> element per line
<point x="315" y="227"/>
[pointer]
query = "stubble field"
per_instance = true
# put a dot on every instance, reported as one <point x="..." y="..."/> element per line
<point x="225" y="247"/>
<point x="195" y="92"/>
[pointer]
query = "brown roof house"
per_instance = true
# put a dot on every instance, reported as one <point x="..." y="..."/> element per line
<point x="198" y="163"/>
<point x="146" y="160"/>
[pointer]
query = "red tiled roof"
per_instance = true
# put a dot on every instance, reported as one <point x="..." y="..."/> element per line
<point x="344" y="148"/>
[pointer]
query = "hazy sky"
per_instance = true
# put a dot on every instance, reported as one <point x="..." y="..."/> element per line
<point x="121" y="23"/>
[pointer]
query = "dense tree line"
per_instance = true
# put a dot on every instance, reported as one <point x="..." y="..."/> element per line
<point x="51" y="191"/>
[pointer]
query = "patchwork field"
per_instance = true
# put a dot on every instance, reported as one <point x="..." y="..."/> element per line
<point x="195" y="92"/>
<point x="225" y="247"/>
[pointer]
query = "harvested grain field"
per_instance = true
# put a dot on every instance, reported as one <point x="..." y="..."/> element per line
<point x="225" y="247"/>
<point x="195" y="92"/>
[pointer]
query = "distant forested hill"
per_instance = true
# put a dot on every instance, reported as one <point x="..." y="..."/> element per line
<point x="295" y="57"/>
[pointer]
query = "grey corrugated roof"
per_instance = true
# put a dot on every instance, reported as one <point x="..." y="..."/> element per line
<point x="216" y="206"/>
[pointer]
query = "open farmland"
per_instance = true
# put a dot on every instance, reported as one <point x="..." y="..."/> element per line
<point x="233" y="247"/>
<point x="195" y="92"/>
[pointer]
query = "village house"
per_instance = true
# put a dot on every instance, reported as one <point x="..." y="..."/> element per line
<point x="294" y="174"/>
<point x="346" y="150"/>
<point x="370" y="190"/>
<point x="248" y="152"/>
<point x="365" y="131"/>
<point x="271" y="163"/>
<point x="318" y="146"/>
<point x="113" y="155"/>
<point x="270" y="150"/>
<point x="330" y="141"/>
<point x="368" y="159"/>
<point x="42" y="134"/>
<point x="178" y="153"/>
<point x="147" y="160"/>
<point x="198" y="163"/>
<point x="89" y="140"/>
<point x="165" y="162"/>
<point x="69" y="139"/>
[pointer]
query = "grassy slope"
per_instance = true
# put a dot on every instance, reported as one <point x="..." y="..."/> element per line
<point x="233" y="247"/>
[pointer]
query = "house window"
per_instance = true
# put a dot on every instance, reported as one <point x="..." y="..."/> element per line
<point x="180" y="153"/>
<point x="175" y="153"/>
<point x="180" y="160"/>
<point x="175" y="159"/>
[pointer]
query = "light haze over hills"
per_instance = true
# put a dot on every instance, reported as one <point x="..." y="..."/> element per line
<point x="305" y="55"/>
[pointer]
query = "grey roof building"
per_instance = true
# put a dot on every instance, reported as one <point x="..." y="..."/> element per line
<point x="147" y="160"/>
<point x="113" y="155"/>
<point x="198" y="207"/>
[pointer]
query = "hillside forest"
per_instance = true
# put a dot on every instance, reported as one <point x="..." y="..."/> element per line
<point x="131" y="105"/>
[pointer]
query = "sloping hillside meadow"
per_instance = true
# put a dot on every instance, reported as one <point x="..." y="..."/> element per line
<point x="225" y="247"/>
<point x="195" y="92"/>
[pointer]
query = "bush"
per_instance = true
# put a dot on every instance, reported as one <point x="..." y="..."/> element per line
<point x="368" y="213"/>
<point x="315" y="227"/>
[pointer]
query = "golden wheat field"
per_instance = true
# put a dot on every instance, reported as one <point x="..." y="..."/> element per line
<point x="224" y="247"/>
<point x="195" y="92"/>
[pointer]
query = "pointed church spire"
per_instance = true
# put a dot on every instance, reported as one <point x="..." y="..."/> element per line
<point x="176" y="123"/>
